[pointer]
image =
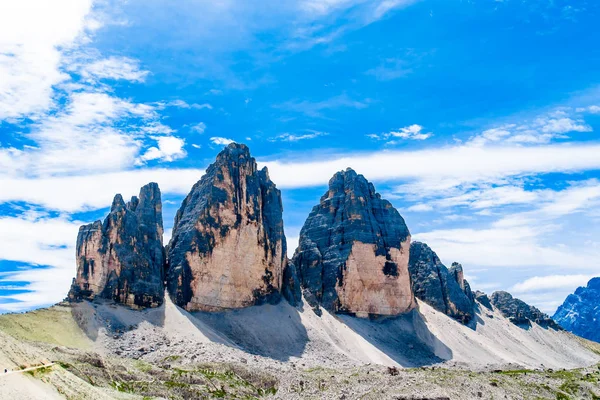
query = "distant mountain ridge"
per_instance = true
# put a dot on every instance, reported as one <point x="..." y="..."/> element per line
<point x="580" y="312"/>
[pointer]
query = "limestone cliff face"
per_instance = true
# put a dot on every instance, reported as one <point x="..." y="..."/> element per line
<point x="519" y="312"/>
<point x="443" y="289"/>
<point x="353" y="252"/>
<point x="228" y="249"/>
<point x="123" y="258"/>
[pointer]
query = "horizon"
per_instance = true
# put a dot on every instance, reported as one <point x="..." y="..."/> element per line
<point x="478" y="121"/>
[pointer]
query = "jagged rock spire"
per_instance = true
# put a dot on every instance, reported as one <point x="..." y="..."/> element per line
<point x="443" y="289"/>
<point x="228" y="249"/>
<point x="123" y="258"/>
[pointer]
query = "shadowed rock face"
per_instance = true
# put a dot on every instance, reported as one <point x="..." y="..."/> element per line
<point x="483" y="299"/>
<point x="123" y="258"/>
<point x="519" y="312"/>
<point x="437" y="286"/>
<point x="580" y="313"/>
<point x="456" y="270"/>
<point x="228" y="249"/>
<point x="353" y="252"/>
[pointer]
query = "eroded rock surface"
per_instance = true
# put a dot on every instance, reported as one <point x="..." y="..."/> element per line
<point x="437" y="286"/>
<point x="483" y="299"/>
<point x="580" y="312"/>
<point x="353" y="252"/>
<point x="456" y="270"/>
<point x="123" y="258"/>
<point x="519" y="312"/>
<point x="228" y="249"/>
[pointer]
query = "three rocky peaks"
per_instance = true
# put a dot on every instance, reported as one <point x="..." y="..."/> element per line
<point x="228" y="250"/>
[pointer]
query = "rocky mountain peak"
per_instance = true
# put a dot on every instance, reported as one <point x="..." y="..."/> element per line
<point x="580" y="312"/>
<point x="228" y="249"/>
<point x="122" y="258"/>
<point x="519" y="312"/>
<point x="437" y="286"/>
<point x="353" y="252"/>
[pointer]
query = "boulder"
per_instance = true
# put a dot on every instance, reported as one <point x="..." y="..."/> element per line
<point x="437" y="286"/>
<point x="228" y="249"/>
<point x="123" y="257"/>
<point x="353" y="252"/>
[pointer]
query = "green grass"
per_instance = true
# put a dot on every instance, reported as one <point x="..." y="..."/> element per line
<point x="54" y="325"/>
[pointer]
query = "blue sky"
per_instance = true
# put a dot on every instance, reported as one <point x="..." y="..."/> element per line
<point x="477" y="119"/>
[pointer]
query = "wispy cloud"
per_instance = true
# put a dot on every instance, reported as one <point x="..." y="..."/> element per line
<point x="541" y="130"/>
<point x="289" y="137"/>
<point x="182" y="104"/>
<point x="199" y="128"/>
<point x="114" y="68"/>
<point x="412" y="132"/>
<point x="551" y="282"/>
<point x="32" y="34"/>
<point x="316" y="109"/>
<point x="89" y="123"/>
<point x="390" y="69"/>
<point x="221" y="140"/>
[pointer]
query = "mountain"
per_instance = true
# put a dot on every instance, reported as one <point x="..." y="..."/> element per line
<point x="519" y="312"/>
<point x="580" y="312"/>
<point x="353" y="252"/>
<point x="123" y="258"/>
<point x="228" y="249"/>
<point x="439" y="287"/>
<point x="377" y="303"/>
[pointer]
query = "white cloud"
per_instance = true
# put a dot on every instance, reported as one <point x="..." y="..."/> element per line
<point x="199" y="127"/>
<point x="562" y="125"/>
<point x="442" y="167"/>
<point x="315" y="109"/>
<point x="31" y="32"/>
<point x="521" y="246"/>
<point x="580" y="196"/>
<point x="594" y="109"/>
<point x="551" y="282"/>
<point x="221" y="141"/>
<point x="476" y="196"/>
<point x="288" y="137"/>
<point x="170" y="148"/>
<point x="420" y="208"/>
<point x="90" y="192"/>
<point x="541" y="130"/>
<point x="115" y="68"/>
<point x="368" y="10"/>
<point x="46" y="242"/>
<point x="414" y="132"/>
<point x="386" y="6"/>
<point x="411" y="132"/>
<point x="185" y="105"/>
<point x="84" y="136"/>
